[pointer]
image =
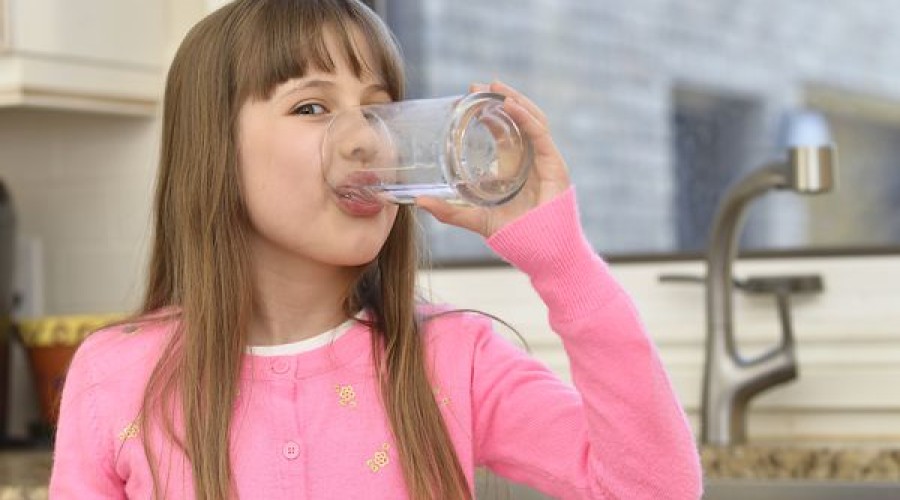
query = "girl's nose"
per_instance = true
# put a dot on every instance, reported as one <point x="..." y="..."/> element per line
<point x="360" y="140"/>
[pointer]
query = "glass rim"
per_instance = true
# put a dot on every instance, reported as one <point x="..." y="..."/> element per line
<point x="457" y="127"/>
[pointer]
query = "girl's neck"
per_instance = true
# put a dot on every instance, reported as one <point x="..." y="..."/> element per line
<point x="296" y="300"/>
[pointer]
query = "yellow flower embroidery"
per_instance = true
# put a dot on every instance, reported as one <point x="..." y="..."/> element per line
<point x="346" y="395"/>
<point x="128" y="432"/>
<point x="380" y="459"/>
<point x="443" y="401"/>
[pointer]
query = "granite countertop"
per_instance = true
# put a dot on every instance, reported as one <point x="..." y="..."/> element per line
<point x="24" y="474"/>
<point x="856" y="463"/>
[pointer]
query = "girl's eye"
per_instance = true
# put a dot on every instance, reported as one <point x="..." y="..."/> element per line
<point x="309" y="109"/>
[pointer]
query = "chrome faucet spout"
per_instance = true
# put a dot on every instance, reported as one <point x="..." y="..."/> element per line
<point x="730" y="381"/>
<point x="723" y="247"/>
<point x="811" y="169"/>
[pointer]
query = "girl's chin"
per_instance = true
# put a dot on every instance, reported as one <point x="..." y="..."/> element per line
<point x="356" y="258"/>
<point x="352" y="262"/>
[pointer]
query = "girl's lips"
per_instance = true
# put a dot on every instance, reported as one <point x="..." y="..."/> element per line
<point x="356" y="196"/>
<point x="358" y="202"/>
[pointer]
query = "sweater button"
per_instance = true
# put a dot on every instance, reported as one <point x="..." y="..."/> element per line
<point x="291" y="450"/>
<point x="281" y="366"/>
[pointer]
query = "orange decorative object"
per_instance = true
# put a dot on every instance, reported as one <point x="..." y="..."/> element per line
<point x="51" y="341"/>
<point x="48" y="366"/>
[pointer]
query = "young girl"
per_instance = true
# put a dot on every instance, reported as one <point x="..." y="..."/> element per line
<point x="280" y="351"/>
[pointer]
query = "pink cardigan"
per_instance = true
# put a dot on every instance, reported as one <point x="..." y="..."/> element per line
<point x="310" y="425"/>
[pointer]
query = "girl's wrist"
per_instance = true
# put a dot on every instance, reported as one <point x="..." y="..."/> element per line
<point x="547" y="235"/>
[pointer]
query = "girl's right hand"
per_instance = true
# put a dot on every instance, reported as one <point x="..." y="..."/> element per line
<point x="548" y="178"/>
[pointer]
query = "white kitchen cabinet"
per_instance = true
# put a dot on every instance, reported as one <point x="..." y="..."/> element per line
<point x="92" y="55"/>
<point x="212" y="5"/>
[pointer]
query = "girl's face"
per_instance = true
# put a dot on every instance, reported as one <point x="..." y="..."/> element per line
<point x="292" y="211"/>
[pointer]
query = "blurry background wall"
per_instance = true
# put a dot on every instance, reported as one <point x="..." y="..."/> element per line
<point x="659" y="104"/>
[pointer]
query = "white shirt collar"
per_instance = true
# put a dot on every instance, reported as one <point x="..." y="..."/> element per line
<point x="304" y="345"/>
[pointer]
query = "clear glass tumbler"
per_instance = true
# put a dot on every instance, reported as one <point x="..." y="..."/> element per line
<point x="462" y="149"/>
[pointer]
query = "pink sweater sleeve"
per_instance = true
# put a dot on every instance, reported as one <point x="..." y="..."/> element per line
<point x="621" y="433"/>
<point x="82" y="453"/>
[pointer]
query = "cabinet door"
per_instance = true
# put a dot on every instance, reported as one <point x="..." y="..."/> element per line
<point x="123" y="32"/>
<point x="93" y="55"/>
<point x="4" y="26"/>
<point x="212" y="5"/>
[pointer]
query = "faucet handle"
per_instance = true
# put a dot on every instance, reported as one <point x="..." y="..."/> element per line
<point x="692" y="278"/>
<point x="681" y="278"/>
<point x="758" y="285"/>
<point x="791" y="284"/>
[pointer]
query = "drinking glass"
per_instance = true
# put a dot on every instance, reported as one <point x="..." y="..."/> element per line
<point x="465" y="149"/>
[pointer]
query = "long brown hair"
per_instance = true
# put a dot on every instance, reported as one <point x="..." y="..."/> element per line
<point x="200" y="262"/>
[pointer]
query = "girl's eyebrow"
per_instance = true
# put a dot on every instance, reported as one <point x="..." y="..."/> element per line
<point x="326" y="85"/>
<point x="304" y="85"/>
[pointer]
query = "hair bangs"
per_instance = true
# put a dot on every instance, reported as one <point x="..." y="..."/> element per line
<point x="281" y="47"/>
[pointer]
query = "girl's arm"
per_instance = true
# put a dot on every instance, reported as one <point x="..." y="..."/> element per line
<point x="82" y="451"/>
<point x="622" y="433"/>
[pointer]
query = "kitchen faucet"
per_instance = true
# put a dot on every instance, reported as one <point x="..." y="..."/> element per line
<point x="729" y="380"/>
